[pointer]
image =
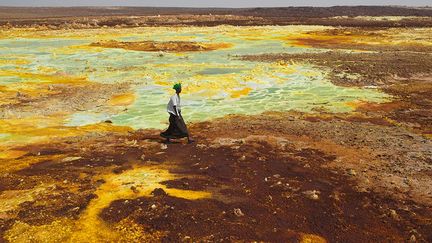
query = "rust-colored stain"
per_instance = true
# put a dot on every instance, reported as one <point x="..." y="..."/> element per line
<point x="383" y="107"/>
<point x="324" y="42"/>
<point x="360" y="39"/>
<point x="154" y="46"/>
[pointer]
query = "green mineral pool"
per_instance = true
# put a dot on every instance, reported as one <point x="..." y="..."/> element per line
<point x="216" y="83"/>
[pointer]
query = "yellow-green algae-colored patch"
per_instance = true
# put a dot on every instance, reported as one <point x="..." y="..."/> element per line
<point x="24" y="131"/>
<point x="89" y="227"/>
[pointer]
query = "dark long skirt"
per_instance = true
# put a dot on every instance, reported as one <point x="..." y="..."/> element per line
<point x="177" y="128"/>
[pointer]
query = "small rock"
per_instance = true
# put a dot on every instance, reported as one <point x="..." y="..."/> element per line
<point x="65" y="181"/>
<point x="108" y="121"/>
<point x="313" y="195"/>
<point x="238" y="212"/>
<point x="142" y="157"/>
<point x="243" y="158"/>
<point x="158" y="192"/>
<point x="69" y="159"/>
<point x="134" y="189"/>
<point x="394" y="214"/>
<point x="163" y="146"/>
<point x="352" y="172"/>
<point x="412" y="238"/>
<point x="201" y="145"/>
<point x="153" y="206"/>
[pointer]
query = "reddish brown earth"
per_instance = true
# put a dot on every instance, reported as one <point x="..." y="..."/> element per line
<point x="154" y="46"/>
<point x="266" y="168"/>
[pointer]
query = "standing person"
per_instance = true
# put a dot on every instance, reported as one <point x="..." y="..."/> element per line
<point x="177" y="127"/>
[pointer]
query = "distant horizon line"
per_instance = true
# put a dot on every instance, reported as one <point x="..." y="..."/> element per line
<point x="142" y="6"/>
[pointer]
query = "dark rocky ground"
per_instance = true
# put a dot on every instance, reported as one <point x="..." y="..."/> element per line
<point x="90" y="17"/>
<point x="274" y="177"/>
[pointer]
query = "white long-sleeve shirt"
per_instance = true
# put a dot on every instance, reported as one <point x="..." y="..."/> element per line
<point x="174" y="101"/>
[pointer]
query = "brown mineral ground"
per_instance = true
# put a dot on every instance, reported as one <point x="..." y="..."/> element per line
<point x="171" y="46"/>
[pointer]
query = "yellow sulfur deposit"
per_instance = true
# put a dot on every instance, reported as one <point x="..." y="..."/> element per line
<point x="89" y="227"/>
<point x="122" y="99"/>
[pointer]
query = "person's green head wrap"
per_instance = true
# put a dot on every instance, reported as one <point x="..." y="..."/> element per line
<point x="177" y="86"/>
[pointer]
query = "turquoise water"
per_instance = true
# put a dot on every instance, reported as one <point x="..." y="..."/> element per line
<point x="212" y="80"/>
